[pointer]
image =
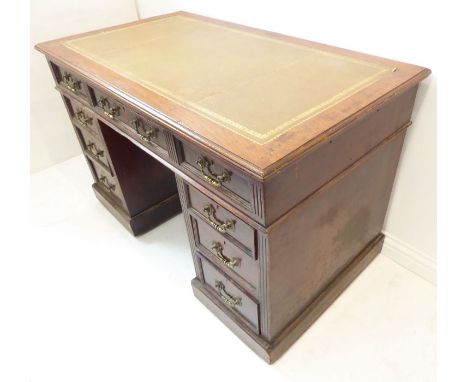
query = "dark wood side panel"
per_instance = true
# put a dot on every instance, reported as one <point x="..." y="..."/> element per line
<point x="294" y="183"/>
<point x="312" y="244"/>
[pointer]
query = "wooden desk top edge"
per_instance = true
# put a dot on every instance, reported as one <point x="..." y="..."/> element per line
<point x="260" y="161"/>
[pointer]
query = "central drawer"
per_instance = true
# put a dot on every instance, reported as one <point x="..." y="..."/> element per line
<point x="148" y="132"/>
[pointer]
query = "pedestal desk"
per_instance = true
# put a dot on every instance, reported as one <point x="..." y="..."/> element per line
<point x="280" y="152"/>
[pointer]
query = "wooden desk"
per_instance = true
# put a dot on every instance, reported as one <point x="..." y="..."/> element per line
<point x="284" y="153"/>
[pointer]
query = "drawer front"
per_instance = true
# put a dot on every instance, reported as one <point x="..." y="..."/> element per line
<point x="108" y="184"/>
<point x="83" y="117"/>
<point x="226" y="255"/>
<point x="72" y="82"/>
<point x="230" y="294"/>
<point x="216" y="175"/>
<point x="95" y="150"/>
<point x="147" y="132"/>
<point x="223" y="221"/>
<point x="110" y="107"/>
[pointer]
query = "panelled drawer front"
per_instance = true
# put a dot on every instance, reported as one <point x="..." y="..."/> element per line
<point x="227" y="255"/>
<point x="83" y="117"/>
<point x="70" y="81"/>
<point x="216" y="175"/>
<point x="95" y="150"/>
<point x="149" y="133"/>
<point x="110" y="107"/>
<point x="223" y="221"/>
<point x="108" y="184"/>
<point x="230" y="294"/>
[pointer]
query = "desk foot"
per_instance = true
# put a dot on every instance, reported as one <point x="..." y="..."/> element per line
<point x="145" y="220"/>
<point x="270" y="352"/>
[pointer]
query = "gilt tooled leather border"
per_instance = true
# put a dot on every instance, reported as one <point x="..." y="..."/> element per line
<point x="252" y="135"/>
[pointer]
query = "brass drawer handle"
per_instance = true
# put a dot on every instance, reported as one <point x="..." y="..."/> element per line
<point x="230" y="263"/>
<point x="110" y="111"/>
<point x="94" y="151"/>
<point x="70" y="83"/>
<point x="226" y="297"/>
<point x="219" y="225"/>
<point x="215" y="180"/>
<point x="139" y="127"/>
<point x="106" y="184"/>
<point x="83" y="119"/>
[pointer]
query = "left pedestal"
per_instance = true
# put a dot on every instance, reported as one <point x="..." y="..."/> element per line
<point x="139" y="191"/>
